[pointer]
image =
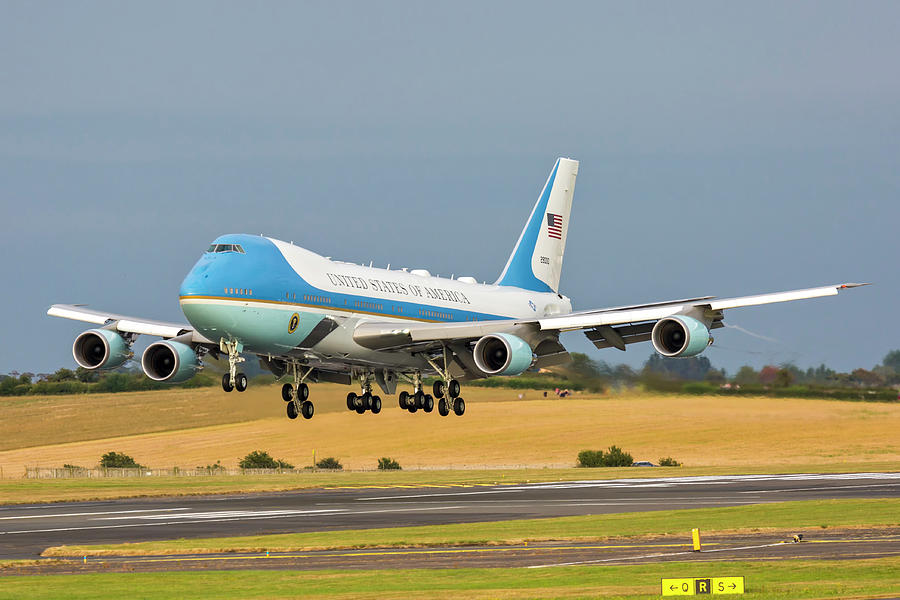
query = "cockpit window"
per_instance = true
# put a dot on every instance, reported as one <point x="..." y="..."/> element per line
<point x="226" y="248"/>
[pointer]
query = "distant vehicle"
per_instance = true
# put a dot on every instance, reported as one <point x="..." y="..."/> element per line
<point x="643" y="463"/>
<point x="311" y="319"/>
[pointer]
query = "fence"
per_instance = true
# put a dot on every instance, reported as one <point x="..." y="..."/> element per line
<point x="101" y="473"/>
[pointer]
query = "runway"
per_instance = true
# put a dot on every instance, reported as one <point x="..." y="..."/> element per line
<point x="26" y="530"/>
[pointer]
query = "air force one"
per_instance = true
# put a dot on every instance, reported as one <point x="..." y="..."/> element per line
<point x="313" y="319"/>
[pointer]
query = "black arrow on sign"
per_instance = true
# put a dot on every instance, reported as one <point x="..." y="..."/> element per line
<point x="673" y="587"/>
<point x="733" y="585"/>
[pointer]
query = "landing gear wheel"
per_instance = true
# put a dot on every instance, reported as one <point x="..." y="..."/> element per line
<point x="404" y="399"/>
<point x="418" y="399"/>
<point x="292" y="410"/>
<point x="443" y="407"/>
<point x="459" y="406"/>
<point x="428" y="403"/>
<point x="307" y="409"/>
<point x="438" y="389"/>
<point x="287" y="392"/>
<point x="302" y="392"/>
<point x="411" y="407"/>
<point x="376" y="405"/>
<point x="226" y="382"/>
<point x="453" y="388"/>
<point x="360" y="410"/>
<point x="367" y="401"/>
<point x="351" y="401"/>
<point x="240" y="382"/>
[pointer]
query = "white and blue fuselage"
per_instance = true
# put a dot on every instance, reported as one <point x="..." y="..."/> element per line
<point x="272" y="297"/>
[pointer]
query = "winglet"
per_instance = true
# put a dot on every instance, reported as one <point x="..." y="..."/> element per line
<point x="846" y="286"/>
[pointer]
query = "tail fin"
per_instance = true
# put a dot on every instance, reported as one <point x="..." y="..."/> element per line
<point x="536" y="261"/>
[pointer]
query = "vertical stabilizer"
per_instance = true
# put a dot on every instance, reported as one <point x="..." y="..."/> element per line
<point x="536" y="261"/>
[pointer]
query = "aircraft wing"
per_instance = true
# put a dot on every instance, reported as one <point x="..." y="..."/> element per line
<point x="126" y="324"/>
<point x="607" y="327"/>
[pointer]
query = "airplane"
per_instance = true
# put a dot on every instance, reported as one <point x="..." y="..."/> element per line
<point x="314" y="319"/>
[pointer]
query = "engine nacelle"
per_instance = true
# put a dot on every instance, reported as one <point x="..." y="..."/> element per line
<point x="172" y="362"/>
<point x="502" y="354"/>
<point x="100" y="349"/>
<point x="680" y="336"/>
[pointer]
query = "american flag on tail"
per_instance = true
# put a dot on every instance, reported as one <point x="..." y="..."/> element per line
<point x="554" y="226"/>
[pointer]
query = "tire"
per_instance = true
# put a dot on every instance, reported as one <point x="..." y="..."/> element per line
<point x="351" y="401"/>
<point x="443" y="407"/>
<point x="287" y="392"/>
<point x="459" y="407"/>
<point x="412" y="408"/>
<point x="376" y="405"/>
<point x="453" y="388"/>
<point x="403" y="399"/>
<point x="226" y="382"/>
<point x="438" y="389"/>
<point x="291" y="410"/>
<point x="303" y="392"/>
<point x="240" y="382"/>
<point x="360" y="410"/>
<point x="418" y="398"/>
<point x="367" y="401"/>
<point x="308" y="409"/>
<point x="428" y="403"/>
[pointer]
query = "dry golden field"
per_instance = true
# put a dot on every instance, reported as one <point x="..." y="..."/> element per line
<point x="187" y="428"/>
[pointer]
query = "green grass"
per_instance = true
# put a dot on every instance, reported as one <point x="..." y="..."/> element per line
<point x="20" y="491"/>
<point x="782" y="579"/>
<point x="776" y="516"/>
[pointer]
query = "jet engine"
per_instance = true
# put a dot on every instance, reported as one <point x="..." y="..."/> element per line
<point x="100" y="349"/>
<point x="680" y="336"/>
<point x="502" y="354"/>
<point x="168" y="361"/>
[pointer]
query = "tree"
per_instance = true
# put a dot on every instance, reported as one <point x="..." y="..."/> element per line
<point x="865" y="378"/>
<point x="583" y="365"/>
<point x="86" y="375"/>
<point x="746" y="375"/>
<point x="616" y="457"/>
<point x="329" y="463"/>
<point x="892" y="360"/>
<point x="62" y="375"/>
<point x="767" y="375"/>
<point x="388" y="464"/>
<point x="260" y="459"/>
<point x="694" y="368"/>
<point x="119" y="460"/>
<point x="783" y="378"/>
<point x="590" y="458"/>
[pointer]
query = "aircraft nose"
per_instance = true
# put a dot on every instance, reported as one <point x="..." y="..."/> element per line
<point x="196" y="283"/>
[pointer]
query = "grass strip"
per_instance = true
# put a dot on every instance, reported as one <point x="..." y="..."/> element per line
<point x="781" y="579"/>
<point x="21" y="491"/>
<point x="775" y="516"/>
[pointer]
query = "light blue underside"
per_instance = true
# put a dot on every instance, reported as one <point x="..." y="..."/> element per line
<point x="260" y="328"/>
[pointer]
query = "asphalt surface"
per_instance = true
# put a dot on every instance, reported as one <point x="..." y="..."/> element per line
<point x="26" y="530"/>
<point x="833" y="545"/>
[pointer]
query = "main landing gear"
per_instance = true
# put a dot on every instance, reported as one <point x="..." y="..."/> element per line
<point x="360" y="403"/>
<point x="447" y="393"/>
<point x="446" y="390"/>
<point x="232" y="380"/>
<point x="297" y="395"/>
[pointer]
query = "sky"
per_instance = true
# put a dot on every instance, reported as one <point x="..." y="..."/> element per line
<point x="725" y="149"/>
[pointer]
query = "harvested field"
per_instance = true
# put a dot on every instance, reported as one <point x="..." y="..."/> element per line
<point x="198" y="427"/>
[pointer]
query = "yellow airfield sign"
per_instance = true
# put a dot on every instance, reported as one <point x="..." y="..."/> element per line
<point x="692" y="586"/>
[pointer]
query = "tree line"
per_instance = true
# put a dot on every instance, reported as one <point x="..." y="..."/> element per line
<point x="658" y="373"/>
